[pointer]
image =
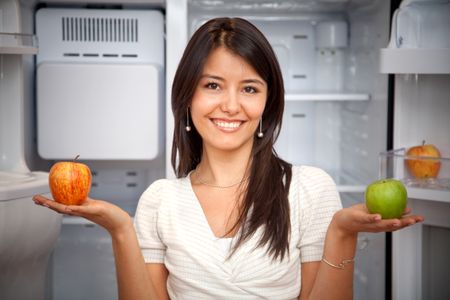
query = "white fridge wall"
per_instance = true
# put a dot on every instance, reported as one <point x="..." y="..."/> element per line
<point x="364" y="129"/>
<point x="363" y="134"/>
<point x="98" y="111"/>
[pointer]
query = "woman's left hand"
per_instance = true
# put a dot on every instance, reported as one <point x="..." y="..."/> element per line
<point x="357" y="218"/>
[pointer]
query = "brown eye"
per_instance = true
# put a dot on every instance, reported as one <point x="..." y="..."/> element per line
<point x="249" y="90"/>
<point x="212" y="85"/>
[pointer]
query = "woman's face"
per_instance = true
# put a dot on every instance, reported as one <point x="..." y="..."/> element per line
<point x="228" y="101"/>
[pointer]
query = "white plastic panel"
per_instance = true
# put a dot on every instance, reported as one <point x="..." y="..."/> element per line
<point x="294" y="45"/>
<point x="420" y="39"/>
<point x="415" y="61"/>
<point x="100" y="35"/>
<point x="99" y="111"/>
<point x="14" y="185"/>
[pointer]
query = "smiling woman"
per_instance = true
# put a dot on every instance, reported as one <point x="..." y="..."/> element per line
<point x="238" y="222"/>
<point x="238" y="86"/>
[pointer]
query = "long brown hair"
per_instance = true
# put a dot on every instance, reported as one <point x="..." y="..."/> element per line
<point x="266" y="197"/>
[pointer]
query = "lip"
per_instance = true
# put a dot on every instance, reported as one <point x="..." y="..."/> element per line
<point x="227" y="125"/>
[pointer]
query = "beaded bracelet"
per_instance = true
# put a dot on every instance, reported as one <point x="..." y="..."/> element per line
<point x="341" y="265"/>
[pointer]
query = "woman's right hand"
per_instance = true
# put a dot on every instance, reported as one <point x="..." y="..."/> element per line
<point x="109" y="216"/>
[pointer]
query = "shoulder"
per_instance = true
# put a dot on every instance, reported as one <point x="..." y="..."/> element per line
<point x="166" y="185"/>
<point x="313" y="187"/>
<point x="164" y="189"/>
<point x="311" y="177"/>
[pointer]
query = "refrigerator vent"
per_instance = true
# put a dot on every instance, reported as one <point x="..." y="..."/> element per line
<point x="99" y="55"/>
<point x="95" y="29"/>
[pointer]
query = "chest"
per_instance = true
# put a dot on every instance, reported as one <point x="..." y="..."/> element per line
<point x="193" y="249"/>
<point x="220" y="209"/>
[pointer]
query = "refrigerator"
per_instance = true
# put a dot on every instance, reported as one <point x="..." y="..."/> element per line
<point x="354" y="100"/>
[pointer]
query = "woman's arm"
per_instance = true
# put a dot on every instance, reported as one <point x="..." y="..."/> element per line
<point x="158" y="274"/>
<point x="333" y="282"/>
<point x="135" y="278"/>
<point x="321" y="281"/>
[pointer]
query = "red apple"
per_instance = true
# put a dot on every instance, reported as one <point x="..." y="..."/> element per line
<point x="423" y="168"/>
<point x="70" y="182"/>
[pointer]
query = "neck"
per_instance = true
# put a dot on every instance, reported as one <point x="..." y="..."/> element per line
<point x="222" y="169"/>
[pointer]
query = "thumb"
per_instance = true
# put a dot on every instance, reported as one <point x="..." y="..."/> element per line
<point x="372" y="218"/>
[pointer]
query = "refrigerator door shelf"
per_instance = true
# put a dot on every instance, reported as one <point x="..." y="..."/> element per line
<point x="17" y="185"/>
<point x="393" y="164"/>
<point x="18" y="43"/>
<point x="415" y="61"/>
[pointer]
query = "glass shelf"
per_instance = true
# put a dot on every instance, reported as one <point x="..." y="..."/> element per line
<point x="327" y="96"/>
<point x="18" y="43"/>
<point x="393" y="165"/>
<point x="345" y="182"/>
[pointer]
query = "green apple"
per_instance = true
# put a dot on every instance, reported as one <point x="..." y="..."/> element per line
<point x="387" y="197"/>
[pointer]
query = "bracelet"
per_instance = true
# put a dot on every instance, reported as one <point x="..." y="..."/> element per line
<point x="341" y="265"/>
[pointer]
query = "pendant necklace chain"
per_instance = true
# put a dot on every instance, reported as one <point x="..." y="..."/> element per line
<point x="219" y="186"/>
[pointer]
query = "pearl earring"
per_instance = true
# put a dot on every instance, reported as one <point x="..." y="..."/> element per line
<point x="260" y="133"/>
<point x="188" y="127"/>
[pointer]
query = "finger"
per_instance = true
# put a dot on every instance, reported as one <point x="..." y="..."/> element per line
<point x="367" y="218"/>
<point x="53" y="205"/>
<point x="411" y="220"/>
<point x="397" y="224"/>
<point x="407" y="211"/>
<point x="374" y="218"/>
<point x="79" y="210"/>
<point x="385" y="225"/>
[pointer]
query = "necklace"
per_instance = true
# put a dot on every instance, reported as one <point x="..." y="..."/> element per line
<point x="220" y="186"/>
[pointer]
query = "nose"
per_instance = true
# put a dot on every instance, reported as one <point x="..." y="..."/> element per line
<point x="231" y="103"/>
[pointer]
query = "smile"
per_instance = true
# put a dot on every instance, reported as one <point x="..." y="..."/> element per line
<point x="228" y="126"/>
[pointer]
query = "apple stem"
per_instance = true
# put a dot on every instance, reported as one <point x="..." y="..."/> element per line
<point x="423" y="142"/>
<point x="76" y="157"/>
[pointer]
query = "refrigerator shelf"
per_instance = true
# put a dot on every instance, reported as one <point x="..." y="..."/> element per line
<point x="346" y="182"/>
<point x="393" y="165"/>
<point x="327" y="96"/>
<point x="351" y="188"/>
<point x="18" y="43"/>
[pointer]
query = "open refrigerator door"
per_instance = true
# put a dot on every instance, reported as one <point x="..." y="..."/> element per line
<point x="418" y="56"/>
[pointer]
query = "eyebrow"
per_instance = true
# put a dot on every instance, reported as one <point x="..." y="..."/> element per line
<point x="250" y="80"/>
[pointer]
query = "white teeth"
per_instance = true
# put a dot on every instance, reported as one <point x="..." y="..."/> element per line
<point x="227" y="124"/>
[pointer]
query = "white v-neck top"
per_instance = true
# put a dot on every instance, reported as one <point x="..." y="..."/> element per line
<point x="172" y="229"/>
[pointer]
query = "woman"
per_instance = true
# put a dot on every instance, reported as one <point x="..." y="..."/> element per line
<point x="239" y="222"/>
